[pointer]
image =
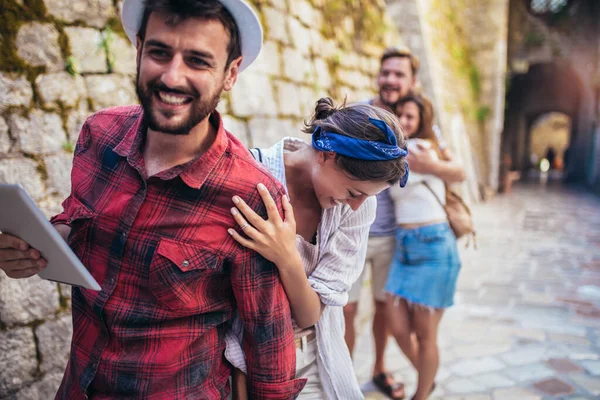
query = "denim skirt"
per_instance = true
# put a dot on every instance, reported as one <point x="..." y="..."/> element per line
<point x="425" y="266"/>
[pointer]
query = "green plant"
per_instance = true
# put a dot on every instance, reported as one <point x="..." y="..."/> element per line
<point x="72" y="66"/>
<point x="68" y="146"/>
<point x="106" y="45"/>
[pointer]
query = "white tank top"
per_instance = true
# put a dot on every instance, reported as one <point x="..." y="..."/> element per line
<point x="415" y="204"/>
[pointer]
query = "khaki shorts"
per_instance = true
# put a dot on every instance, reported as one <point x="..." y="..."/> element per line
<point x="307" y="367"/>
<point x="380" y="253"/>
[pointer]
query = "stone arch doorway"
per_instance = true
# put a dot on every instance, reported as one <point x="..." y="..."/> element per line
<point x="549" y="137"/>
<point x="553" y="87"/>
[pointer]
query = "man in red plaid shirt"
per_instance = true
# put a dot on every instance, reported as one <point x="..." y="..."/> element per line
<point x="148" y="214"/>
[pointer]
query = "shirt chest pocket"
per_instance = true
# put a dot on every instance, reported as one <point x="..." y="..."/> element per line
<point x="184" y="277"/>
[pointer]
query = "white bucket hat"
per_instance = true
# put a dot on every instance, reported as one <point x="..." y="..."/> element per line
<point x="248" y="24"/>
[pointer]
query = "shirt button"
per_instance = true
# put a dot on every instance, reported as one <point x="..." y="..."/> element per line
<point x="185" y="263"/>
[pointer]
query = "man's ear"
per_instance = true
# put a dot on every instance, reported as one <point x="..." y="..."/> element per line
<point x="139" y="44"/>
<point x="231" y="74"/>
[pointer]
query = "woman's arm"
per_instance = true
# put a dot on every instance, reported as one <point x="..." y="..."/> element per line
<point x="275" y="240"/>
<point x="304" y="301"/>
<point x="239" y="391"/>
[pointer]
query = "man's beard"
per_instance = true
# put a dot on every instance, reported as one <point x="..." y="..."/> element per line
<point x="199" y="108"/>
<point x="387" y="103"/>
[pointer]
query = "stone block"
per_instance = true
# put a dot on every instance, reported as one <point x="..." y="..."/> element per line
<point x="300" y="36"/>
<point x="530" y="372"/>
<point x="280" y="4"/>
<point x="515" y="393"/>
<point x="346" y="93"/>
<point x="296" y="67"/>
<point x="322" y="72"/>
<point x="41" y="133"/>
<point x="563" y="365"/>
<point x="492" y="380"/>
<point x="306" y="13"/>
<point x="75" y="120"/>
<point x="352" y="78"/>
<point x="265" y="132"/>
<point x="5" y="142"/>
<point x="25" y="300"/>
<point x="93" y="12"/>
<point x="253" y="95"/>
<point x="124" y="55"/>
<point x="308" y="99"/>
<point x="58" y="168"/>
<point x="61" y="87"/>
<point x="592" y="367"/>
<point x="554" y="387"/>
<point x="86" y="48"/>
<point x="54" y="343"/>
<point x="317" y="41"/>
<point x="268" y="61"/>
<point x="23" y="171"/>
<point x="462" y="386"/>
<point x="110" y="90"/>
<point x="43" y="389"/>
<point x="589" y="383"/>
<point x="37" y="45"/>
<point x="65" y="290"/>
<point x="275" y="25"/>
<point x="525" y="355"/>
<point x="471" y="367"/>
<point x="17" y="358"/>
<point x="288" y="98"/>
<point x="15" y="91"/>
<point x="223" y="106"/>
<point x="236" y="127"/>
<point x="329" y="48"/>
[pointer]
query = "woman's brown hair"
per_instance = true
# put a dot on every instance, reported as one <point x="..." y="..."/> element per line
<point x="353" y="121"/>
<point x="425" y="118"/>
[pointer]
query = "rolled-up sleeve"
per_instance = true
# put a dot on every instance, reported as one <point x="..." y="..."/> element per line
<point x="64" y="218"/>
<point x="342" y="261"/>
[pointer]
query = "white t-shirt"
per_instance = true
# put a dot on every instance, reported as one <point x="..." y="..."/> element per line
<point x="415" y="203"/>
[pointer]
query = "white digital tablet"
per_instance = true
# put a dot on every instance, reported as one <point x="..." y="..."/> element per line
<point x="20" y="216"/>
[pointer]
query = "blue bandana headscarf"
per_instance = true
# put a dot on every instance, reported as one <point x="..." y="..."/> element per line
<point x="368" y="150"/>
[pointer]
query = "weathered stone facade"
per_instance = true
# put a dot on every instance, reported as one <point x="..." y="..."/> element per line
<point x="554" y="65"/>
<point x="467" y="40"/>
<point x="462" y="48"/>
<point x="62" y="60"/>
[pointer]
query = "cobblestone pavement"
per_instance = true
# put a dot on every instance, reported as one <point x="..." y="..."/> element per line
<point x="526" y="324"/>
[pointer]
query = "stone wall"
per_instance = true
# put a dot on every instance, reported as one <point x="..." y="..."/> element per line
<point x="62" y="60"/>
<point x="467" y="40"/>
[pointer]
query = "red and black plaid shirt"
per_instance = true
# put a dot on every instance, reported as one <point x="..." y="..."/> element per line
<point x="171" y="275"/>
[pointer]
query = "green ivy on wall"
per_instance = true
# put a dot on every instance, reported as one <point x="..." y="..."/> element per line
<point x="462" y="58"/>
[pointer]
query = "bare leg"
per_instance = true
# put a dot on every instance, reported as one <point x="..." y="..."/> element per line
<point x="400" y="326"/>
<point x="380" y="336"/>
<point x="350" y="311"/>
<point x="426" y="325"/>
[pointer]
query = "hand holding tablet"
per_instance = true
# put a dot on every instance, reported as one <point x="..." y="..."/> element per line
<point x="29" y="244"/>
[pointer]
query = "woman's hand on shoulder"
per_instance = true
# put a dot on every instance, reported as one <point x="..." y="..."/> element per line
<point x="273" y="238"/>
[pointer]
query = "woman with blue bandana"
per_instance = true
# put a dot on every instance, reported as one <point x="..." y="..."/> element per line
<point x="422" y="278"/>
<point x="319" y="246"/>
